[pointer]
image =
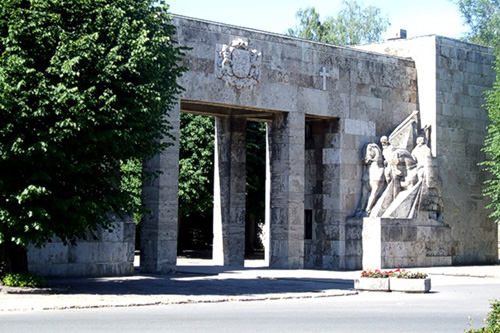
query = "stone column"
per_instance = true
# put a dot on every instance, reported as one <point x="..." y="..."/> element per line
<point x="229" y="191"/>
<point x="161" y="197"/>
<point x="336" y="195"/>
<point x="285" y="191"/>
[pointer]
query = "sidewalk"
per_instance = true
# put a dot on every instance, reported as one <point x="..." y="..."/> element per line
<point x="199" y="282"/>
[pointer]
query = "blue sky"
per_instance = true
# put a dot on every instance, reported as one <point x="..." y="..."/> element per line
<point x="419" y="17"/>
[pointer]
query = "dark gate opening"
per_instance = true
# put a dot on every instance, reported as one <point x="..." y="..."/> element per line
<point x="255" y="189"/>
<point x="196" y="178"/>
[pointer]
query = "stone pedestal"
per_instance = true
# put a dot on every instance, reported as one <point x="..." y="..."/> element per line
<point x="395" y="243"/>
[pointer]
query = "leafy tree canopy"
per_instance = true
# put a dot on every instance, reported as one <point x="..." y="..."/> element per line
<point x="84" y="89"/>
<point x="256" y="169"/>
<point x="492" y="147"/>
<point x="196" y="165"/>
<point x="483" y="19"/>
<point x="353" y="25"/>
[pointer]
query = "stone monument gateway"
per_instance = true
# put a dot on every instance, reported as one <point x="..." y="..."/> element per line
<point x="372" y="152"/>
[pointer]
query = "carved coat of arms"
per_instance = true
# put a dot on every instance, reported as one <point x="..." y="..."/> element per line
<point x="238" y="66"/>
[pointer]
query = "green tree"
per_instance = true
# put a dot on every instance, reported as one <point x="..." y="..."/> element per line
<point x="196" y="165"/>
<point x="309" y="27"/>
<point x="483" y="19"/>
<point x="353" y="25"/>
<point x="85" y="86"/>
<point x="196" y="173"/>
<point x="492" y="148"/>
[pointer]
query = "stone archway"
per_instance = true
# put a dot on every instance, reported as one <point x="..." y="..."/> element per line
<point x="159" y="230"/>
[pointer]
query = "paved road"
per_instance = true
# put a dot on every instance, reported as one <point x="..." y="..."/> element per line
<point x="209" y="299"/>
<point x="444" y="310"/>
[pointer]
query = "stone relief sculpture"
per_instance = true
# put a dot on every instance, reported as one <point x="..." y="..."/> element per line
<point x="387" y="152"/>
<point x="238" y="66"/>
<point x="422" y="154"/>
<point x="373" y="178"/>
<point x="401" y="183"/>
<point x="403" y="169"/>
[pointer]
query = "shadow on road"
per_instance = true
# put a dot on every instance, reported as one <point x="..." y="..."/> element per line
<point x="196" y="284"/>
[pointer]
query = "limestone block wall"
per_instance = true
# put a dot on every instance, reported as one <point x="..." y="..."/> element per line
<point x="106" y="254"/>
<point x="423" y="51"/>
<point x="381" y="95"/>
<point x="354" y="244"/>
<point x="374" y="91"/>
<point x="321" y="188"/>
<point x="313" y="201"/>
<point x="367" y="95"/>
<point x="464" y="72"/>
<point x="452" y="76"/>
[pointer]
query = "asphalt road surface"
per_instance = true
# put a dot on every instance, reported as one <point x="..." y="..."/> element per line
<point x="445" y="309"/>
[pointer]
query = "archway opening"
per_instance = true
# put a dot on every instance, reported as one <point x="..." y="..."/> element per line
<point x="196" y="179"/>
<point x="196" y="174"/>
<point x="255" y="190"/>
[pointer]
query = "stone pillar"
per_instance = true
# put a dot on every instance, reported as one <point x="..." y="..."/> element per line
<point x="285" y="191"/>
<point x="229" y="191"/>
<point x="161" y="197"/>
<point x="335" y="174"/>
<point x="266" y="238"/>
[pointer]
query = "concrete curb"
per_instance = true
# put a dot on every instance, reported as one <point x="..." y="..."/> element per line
<point x="31" y="291"/>
<point x="82" y="302"/>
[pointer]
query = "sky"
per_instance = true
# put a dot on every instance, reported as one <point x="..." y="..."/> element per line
<point x="418" y="17"/>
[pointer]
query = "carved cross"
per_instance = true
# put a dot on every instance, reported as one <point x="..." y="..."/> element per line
<point x="324" y="74"/>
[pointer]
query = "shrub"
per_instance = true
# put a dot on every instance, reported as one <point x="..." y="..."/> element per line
<point x="408" y="275"/>
<point x="23" y="280"/>
<point x="492" y="321"/>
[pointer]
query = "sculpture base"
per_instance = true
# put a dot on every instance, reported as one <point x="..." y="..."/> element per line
<point x="399" y="243"/>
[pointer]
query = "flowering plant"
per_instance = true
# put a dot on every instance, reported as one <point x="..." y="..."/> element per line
<point x="398" y="273"/>
<point x="376" y="274"/>
<point x="408" y="275"/>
